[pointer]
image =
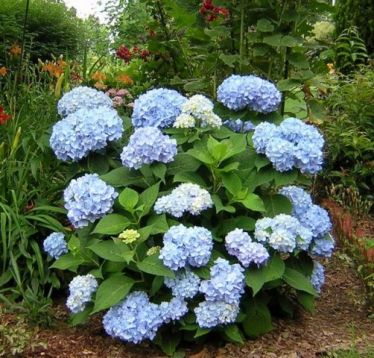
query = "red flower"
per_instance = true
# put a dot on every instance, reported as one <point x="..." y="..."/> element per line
<point x="4" y="117"/>
<point x="210" y="12"/>
<point x="144" y="54"/>
<point x="124" y="53"/>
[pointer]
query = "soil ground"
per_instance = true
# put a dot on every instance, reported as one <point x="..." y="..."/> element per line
<point x="340" y="322"/>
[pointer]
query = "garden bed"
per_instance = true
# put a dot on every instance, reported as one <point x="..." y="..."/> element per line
<point x="340" y="322"/>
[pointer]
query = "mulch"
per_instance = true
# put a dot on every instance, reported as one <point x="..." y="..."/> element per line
<point x="339" y="322"/>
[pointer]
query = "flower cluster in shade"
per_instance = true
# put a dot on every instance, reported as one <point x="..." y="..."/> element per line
<point x="83" y="131"/>
<point x="186" y="197"/>
<point x="148" y="145"/>
<point x="82" y="97"/>
<point x="283" y="233"/>
<point x="239" y="126"/>
<point x="197" y="111"/>
<point x="239" y="92"/>
<point x="55" y="245"/>
<point x="291" y="144"/>
<point x="313" y="217"/>
<point x="222" y="292"/>
<point x="135" y="318"/>
<point x="186" y="246"/>
<point x="157" y="108"/>
<point x="318" y="276"/>
<point x="87" y="199"/>
<point x="239" y="244"/>
<point x="81" y="289"/>
<point x="184" y="285"/>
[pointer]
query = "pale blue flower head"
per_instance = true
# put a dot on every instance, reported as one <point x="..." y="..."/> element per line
<point x="318" y="276"/>
<point x="55" y="245"/>
<point x="173" y="310"/>
<point x="87" y="199"/>
<point x="226" y="282"/>
<point x="211" y="314"/>
<point x="82" y="97"/>
<point x="239" y="126"/>
<point x="148" y="145"/>
<point x="300" y="199"/>
<point x="186" y="246"/>
<point x="263" y="135"/>
<point x="239" y="244"/>
<point x="81" y="289"/>
<point x="134" y="319"/>
<point x="323" y="246"/>
<point x="85" y="130"/>
<point x="281" y="153"/>
<point x="186" y="197"/>
<point x="157" y="108"/>
<point x="317" y="220"/>
<point x="184" y="285"/>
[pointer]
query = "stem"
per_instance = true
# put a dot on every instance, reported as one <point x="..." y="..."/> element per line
<point x="241" y="34"/>
<point x="286" y="71"/>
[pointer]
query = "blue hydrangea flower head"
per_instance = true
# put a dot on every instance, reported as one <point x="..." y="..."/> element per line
<point x="300" y="199"/>
<point x="239" y="244"/>
<point x="239" y="126"/>
<point x="82" y="97"/>
<point x="55" y="245"/>
<point x="263" y="135"/>
<point x="186" y="246"/>
<point x="226" y="282"/>
<point x="81" y="289"/>
<point x="318" y="276"/>
<point x="281" y="153"/>
<point x="186" y="197"/>
<point x="211" y="314"/>
<point x="148" y="145"/>
<point x="85" y="130"/>
<point x="157" y="108"/>
<point x="323" y="246"/>
<point x="238" y="92"/>
<point x="173" y="310"/>
<point x="317" y="220"/>
<point x="184" y="285"/>
<point x="134" y="319"/>
<point x="87" y="199"/>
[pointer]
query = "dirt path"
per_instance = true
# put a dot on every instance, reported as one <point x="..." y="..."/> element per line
<point x="339" y="322"/>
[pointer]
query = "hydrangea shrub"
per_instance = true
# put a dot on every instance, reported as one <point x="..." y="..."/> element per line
<point x="201" y="223"/>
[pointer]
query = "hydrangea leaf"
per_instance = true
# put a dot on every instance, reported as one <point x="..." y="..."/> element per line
<point x="285" y="178"/>
<point x="121" y="177"/>
<point x="189" y="177"/>
<point x="201" y="332"/>
<point x="257" y="277"/>
<point x="233" y="333"/>
<point x="276" y="204"/>
<point x="80" y="318"/>
<point x="109" y="250"/>
<point x="306" y="300"/>
<point x="68" y="262"/>
<point x="298" y="281"/>
<point x="111" y="224"/>
<point x="264" y="25"/>
<point x="183" y="163"/>
<point x="253" y="202"/>
<point x="128" y="199"/>
<point x="219" y="205"/>
<point x="258" y="319"/>
<point x="148" y="198"/>
<point x="232" y="183"/>
<point x="154" y="266"/>
<point x="111" y="291"/>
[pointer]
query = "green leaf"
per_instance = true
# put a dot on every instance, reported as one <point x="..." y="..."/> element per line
<point x="220" y="207"/>
<point x="183" y="163"/>
<point x="261" y="161"/>
<point x="201" y="332"/>
<point x="98" y="163"/>
<point x="123" y="177"/>
<point x="159" y="170"/>
<point x="202" y="156"/>
<point x="253" y="202"/>
<point x="285" y="178"/>
<point x="189" y="177"/>
<point x="154" y="266"/>
<point x="111" y="224"/>
<point x="240" y="222"/>
<point x="217" y="149"/>
<point x="229" y="60"/>
<point x="111" y="291"/>
<point x="148" y="198"/>
<point x="257" y="320"/>
<point x="128" y="199"/>
<point x="80" y="318"/>
<point x="273" y="40"/>
<point x="277" y="204"/>
<point x="67" y="262"/>
<point x="264" y="25"/>
<point x="298" y="281"/>
<point x="157" y="283"/>
<point x="112" y="251"/>
<point x="169" y="343"/>
<point x="158" y="224"/>
<point x="257" y="277"/>
<point x="232" y="183"/>
<point x="233" y="333"/>
<point x="306" y="300"/>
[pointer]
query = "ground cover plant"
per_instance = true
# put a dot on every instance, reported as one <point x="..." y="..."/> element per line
<point x="195" y="226"/>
